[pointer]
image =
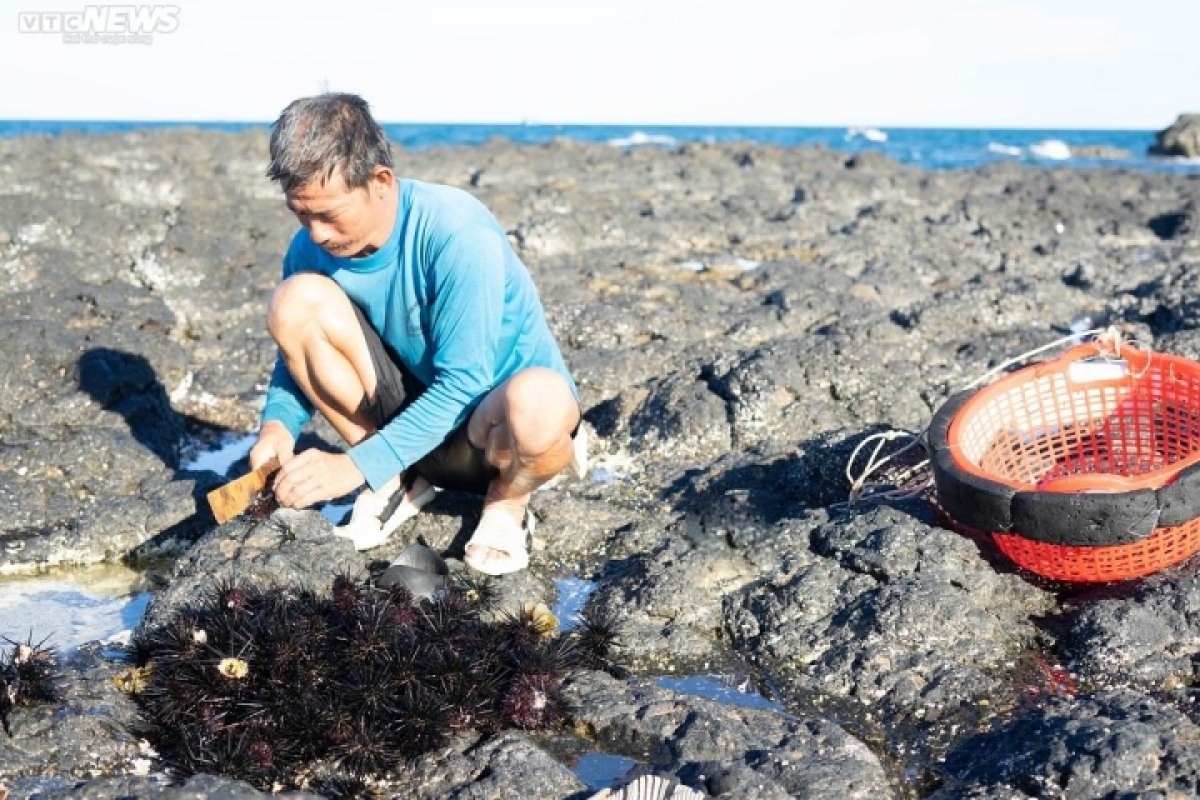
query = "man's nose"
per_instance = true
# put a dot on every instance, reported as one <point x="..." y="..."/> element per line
<point x="319" y="232"/>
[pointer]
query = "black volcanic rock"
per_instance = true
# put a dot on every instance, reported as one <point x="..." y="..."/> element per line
<point x="1113" y="744"/>
<point x="738" y="318"/>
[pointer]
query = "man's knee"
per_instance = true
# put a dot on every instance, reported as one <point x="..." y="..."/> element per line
<point x="540" y="407"/>
<point x="297" y="303"/>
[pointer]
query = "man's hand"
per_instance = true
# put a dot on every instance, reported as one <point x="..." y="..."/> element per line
<point x="313" y="476"/>
<point x="274" y="440"/>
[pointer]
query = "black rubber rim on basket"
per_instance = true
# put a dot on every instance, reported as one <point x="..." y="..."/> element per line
<point x="1085" y="519"/>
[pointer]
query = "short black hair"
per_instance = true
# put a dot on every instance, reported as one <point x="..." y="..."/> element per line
<point x="316" y="136"/>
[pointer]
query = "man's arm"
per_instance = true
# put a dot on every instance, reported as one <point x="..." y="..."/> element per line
<point x="286" y="402"/>
<point x="286" y="409"/>
<point x="466" y="281"/>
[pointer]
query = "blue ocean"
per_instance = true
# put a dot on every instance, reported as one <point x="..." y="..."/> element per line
<point x="931" y="148"/>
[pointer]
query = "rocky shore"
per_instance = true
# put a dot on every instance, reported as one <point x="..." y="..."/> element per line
<point x="738" y="317"/>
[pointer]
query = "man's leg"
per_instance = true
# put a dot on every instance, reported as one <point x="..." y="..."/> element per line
<point x="524" y="429"/>
<point x="314" y="324"/>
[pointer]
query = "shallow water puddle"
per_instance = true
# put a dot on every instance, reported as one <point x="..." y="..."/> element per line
<point x="727" y="689"/>
<point x="571" y="595"/>
<point x="216" y="454"/>
<point x="601" y="770"/>
<point x="597" y="770"/>
<point x="71" y="607"/>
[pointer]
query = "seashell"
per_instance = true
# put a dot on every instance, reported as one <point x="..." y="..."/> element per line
<point x="418" y="569"/>
<point x="420" y="557"/>
<point x="542" y="618"/>
<point x="418" y="582"/>
<point x="233" y="668"/>
<point x="134" y="679"/>
<point x="651" y="787"/>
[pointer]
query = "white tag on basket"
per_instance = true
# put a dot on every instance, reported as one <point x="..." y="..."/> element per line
<point x="1090" y="371"/>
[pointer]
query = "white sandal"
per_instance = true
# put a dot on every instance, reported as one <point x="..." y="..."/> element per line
<point x="579" y="453"/>
<point x="498" y="531"/>
<point x="366" y="529"/>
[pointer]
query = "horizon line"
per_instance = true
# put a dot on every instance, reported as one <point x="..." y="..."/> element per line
<point x="547" y="124"/>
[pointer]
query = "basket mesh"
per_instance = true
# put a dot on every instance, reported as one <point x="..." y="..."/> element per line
<point x="1032" y="433"/>
<point x="1046" y="423"/>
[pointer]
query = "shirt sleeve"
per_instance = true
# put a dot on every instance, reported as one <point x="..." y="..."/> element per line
<point x="286" y="402"/>
<point x="466" y="291"/>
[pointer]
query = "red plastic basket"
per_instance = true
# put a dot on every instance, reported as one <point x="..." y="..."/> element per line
<point x="1164" y="548"/>
<point x="1087" y="422"/>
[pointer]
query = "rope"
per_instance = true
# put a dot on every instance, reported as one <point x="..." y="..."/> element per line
<point x="1111" y="338"/>
<point x="1109" y="341"/>
<point x="1098" y="333"/>
<point x="859" y="484"/>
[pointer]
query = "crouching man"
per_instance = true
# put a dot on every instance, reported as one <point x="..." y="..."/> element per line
<point x="405" y="317"/>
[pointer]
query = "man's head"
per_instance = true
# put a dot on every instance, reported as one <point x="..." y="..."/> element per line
<point x="334" y="164"/>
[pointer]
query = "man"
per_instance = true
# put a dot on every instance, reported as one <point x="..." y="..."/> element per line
<point x="405" y="317"/>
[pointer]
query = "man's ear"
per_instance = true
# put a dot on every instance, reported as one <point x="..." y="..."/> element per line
<point x="381" y="181"/>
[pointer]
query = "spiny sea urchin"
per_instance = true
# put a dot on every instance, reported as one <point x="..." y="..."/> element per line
<point x="263" y="504"/>
<point x="596" y="640"/>
<point x="260" y="683"/>
<point x="533" y="700"/>
<point x="29" y="675"/>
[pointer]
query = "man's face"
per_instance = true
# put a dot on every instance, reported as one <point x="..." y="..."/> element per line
<point x="345" y="222"/>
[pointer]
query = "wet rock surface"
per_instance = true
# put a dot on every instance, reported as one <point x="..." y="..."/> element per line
<point x="88" y="734"/>
<point x="724" y="750"/>
<point x="1112" y="744"/>
<point x="199" y="787"/>
<point x="738" y="318"/>
<point x="1143" y="635"/>
<point x="506" y="765"/>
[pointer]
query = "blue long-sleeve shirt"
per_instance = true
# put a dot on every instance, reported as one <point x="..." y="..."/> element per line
<point x="455" y="303"/>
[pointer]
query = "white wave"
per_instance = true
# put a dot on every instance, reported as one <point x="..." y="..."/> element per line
<point x="870" y="134"/>
<point x="1003" y="149"/>
<point x="1053" y="149"/>
<point x="638" y="138"/>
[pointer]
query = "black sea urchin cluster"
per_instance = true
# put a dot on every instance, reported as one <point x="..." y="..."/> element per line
<point x="29" y="675"/>
<point x="261" y="684"/>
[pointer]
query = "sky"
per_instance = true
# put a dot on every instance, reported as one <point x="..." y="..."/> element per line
<point x="1110" y="64"/>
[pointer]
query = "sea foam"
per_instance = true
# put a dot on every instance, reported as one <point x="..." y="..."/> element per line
<point x="1053" y="149"/>
<point x="1003" y="149"/>
<point x="638" y="138"/>
<point x="870" y="134"/>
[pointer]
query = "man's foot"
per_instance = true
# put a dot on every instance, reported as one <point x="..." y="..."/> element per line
<point x="369" y="525"/>
<point x="500" y="543"/>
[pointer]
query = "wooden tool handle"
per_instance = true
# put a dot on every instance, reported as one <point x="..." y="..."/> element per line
<point x="235" y="497"/>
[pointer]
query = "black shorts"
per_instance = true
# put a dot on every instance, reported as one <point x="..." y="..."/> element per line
<point x="455" y="463"/>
